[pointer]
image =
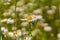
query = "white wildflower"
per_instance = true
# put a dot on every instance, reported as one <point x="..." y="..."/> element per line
<point x="28" y="38"/>
<point x="20" y="9"/>
<point x="19" y="33"/>
<point x="10" y="20"/>
<point x="4" y="20"/>
<point x="2" y="28"/>
<point x="7" y="0"/>
<point x="11" y="34"/>
<point x="7" y="3"/>
<point x="20" y="3"/>
<point x="47" y="28"/>
<point x="58" y="35"/>
<point x="38" y="11"/>
<point x="6" y="13"/>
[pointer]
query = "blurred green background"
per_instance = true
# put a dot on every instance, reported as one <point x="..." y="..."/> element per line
<point x="52" y="20"/>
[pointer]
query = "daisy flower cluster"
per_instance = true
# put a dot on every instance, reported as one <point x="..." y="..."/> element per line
<point x="30" y="20"/>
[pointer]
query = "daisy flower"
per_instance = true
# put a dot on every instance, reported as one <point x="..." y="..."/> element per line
<point x="58" y="35"/>
<point x="2" y="28"/>
<point x="47" y="28"/>
<point x="37" y="11"/>
<point x="7" y="0"/>
<point x="17" y="33"/>
<point x="30" y="18"/>
<point x="6" y="13"/>
<point x="7" y="3"/>
<point x="28" y="38"/>
<point x="11" y="34"/>
<point x="8" y="20"/>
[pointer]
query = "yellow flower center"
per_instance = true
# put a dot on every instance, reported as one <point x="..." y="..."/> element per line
<point x="14" y="32"/>
<point x="29" y="18"/>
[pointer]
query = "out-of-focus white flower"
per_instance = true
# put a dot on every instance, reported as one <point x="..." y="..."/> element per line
<point x="7" y="0"/>
<point x="51" y="11"/>
<point x="47" y="28"/>
<point x="42" y="24"/>
<point x="2" y="28"/>
<point x="6" y="13"/>
<point x="38" y="11"/>
<point x="5" y="30"/>
<point x="23" y="19"/>
<point x="7" y="3"/>
<point x="39" y="17"/>
<point x="24" y="24"/>
<point x="20" y="3"/>
<point x="53" y="7"/>
<point x="20" y="9"/>
<point x="28" y="38"/>
<point x="11" y="34"/>
<point x="10" y="20"/>
<point x="58" y="35"/>
<point x="4" y="20"/>
<point x="19" y="33"/>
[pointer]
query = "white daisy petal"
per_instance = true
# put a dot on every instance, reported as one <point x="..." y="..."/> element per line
<point x="23" y="19"/>
<point x="19" y="33"/>
<point x="39" y="17"/>
<point x="11" y="34"/>
<point x="28" y="38"/>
